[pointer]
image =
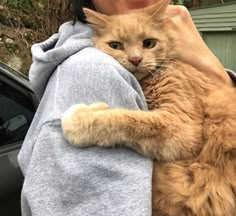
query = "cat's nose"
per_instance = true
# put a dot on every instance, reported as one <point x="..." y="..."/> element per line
<point x="135" y="60"/>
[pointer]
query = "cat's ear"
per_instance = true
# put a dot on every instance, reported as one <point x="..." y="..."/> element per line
<point x="157" y="10"/>
<point x="96" y="19"/>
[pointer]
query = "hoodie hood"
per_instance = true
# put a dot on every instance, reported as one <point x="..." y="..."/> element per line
<point x="49" y="54"/>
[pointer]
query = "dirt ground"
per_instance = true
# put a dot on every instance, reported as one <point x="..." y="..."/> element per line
<point x="18" y="31"/>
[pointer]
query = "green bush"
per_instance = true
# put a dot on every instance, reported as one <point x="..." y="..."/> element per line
<point x="20" y="4"/>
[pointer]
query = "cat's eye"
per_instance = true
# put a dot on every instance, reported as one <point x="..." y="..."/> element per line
<point x="149" y="43"/>
<point x="116" y="45"/>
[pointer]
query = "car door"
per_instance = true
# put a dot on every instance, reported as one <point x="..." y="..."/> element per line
<point x="17" y="108"/>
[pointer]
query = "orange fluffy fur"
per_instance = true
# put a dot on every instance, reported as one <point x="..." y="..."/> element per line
<point x="190" y="129"/>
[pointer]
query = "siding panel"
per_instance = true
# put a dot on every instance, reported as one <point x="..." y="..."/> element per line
<point x="217" y="26"/>
<point x="223" y="45"/>
<point x="218" y="18"/>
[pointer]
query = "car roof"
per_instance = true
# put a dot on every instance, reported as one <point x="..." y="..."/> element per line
<point x="20" y="78"/>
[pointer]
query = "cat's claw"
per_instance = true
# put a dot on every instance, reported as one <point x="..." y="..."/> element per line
<point x="77" y="123"/>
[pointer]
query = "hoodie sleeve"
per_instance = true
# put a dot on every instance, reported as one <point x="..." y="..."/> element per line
<point x="63" y="180"/>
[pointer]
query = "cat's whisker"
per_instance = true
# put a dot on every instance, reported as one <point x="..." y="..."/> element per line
<point x="167" y="67"/>
<point x="151" y="73"/>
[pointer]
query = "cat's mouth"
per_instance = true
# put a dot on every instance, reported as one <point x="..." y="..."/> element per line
<point x="140" y="75"/>
<point x="141" y="72"/>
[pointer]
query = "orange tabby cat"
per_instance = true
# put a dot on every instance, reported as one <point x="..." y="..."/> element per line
<point x="191" y="130"/>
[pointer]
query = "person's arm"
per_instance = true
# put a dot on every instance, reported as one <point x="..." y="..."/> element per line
<point x="63" y="180"/>
<point x="188" y="45"/>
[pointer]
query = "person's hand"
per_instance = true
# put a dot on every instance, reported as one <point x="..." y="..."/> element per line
<point x="188" y="45"/>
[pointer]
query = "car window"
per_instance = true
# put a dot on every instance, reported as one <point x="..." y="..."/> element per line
<point x="16" y="113"/>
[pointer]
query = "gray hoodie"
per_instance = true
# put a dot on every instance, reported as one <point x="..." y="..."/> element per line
<point x="59" y="178"/>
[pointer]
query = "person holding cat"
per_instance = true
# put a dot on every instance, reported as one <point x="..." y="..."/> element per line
<point x="66" y="70"/>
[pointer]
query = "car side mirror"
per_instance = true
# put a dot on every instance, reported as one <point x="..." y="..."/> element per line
<point x="14" y="124"/>
<point x="13" y="127"/>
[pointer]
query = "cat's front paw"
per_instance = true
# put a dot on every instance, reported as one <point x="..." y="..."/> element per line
<point x="79" y="123"/>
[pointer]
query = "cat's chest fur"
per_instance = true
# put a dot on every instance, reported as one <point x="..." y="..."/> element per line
<point x="151" y="86"/>
<point x="178" y="88"/>
<point x="182" y="91"/>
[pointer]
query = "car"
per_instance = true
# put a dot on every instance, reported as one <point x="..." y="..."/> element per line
<point x="18" y="104"/>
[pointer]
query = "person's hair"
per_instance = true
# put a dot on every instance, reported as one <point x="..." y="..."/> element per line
<point x="77" y="9"/>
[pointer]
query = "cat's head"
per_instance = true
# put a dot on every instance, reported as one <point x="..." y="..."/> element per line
<point x="135" y="40"/>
